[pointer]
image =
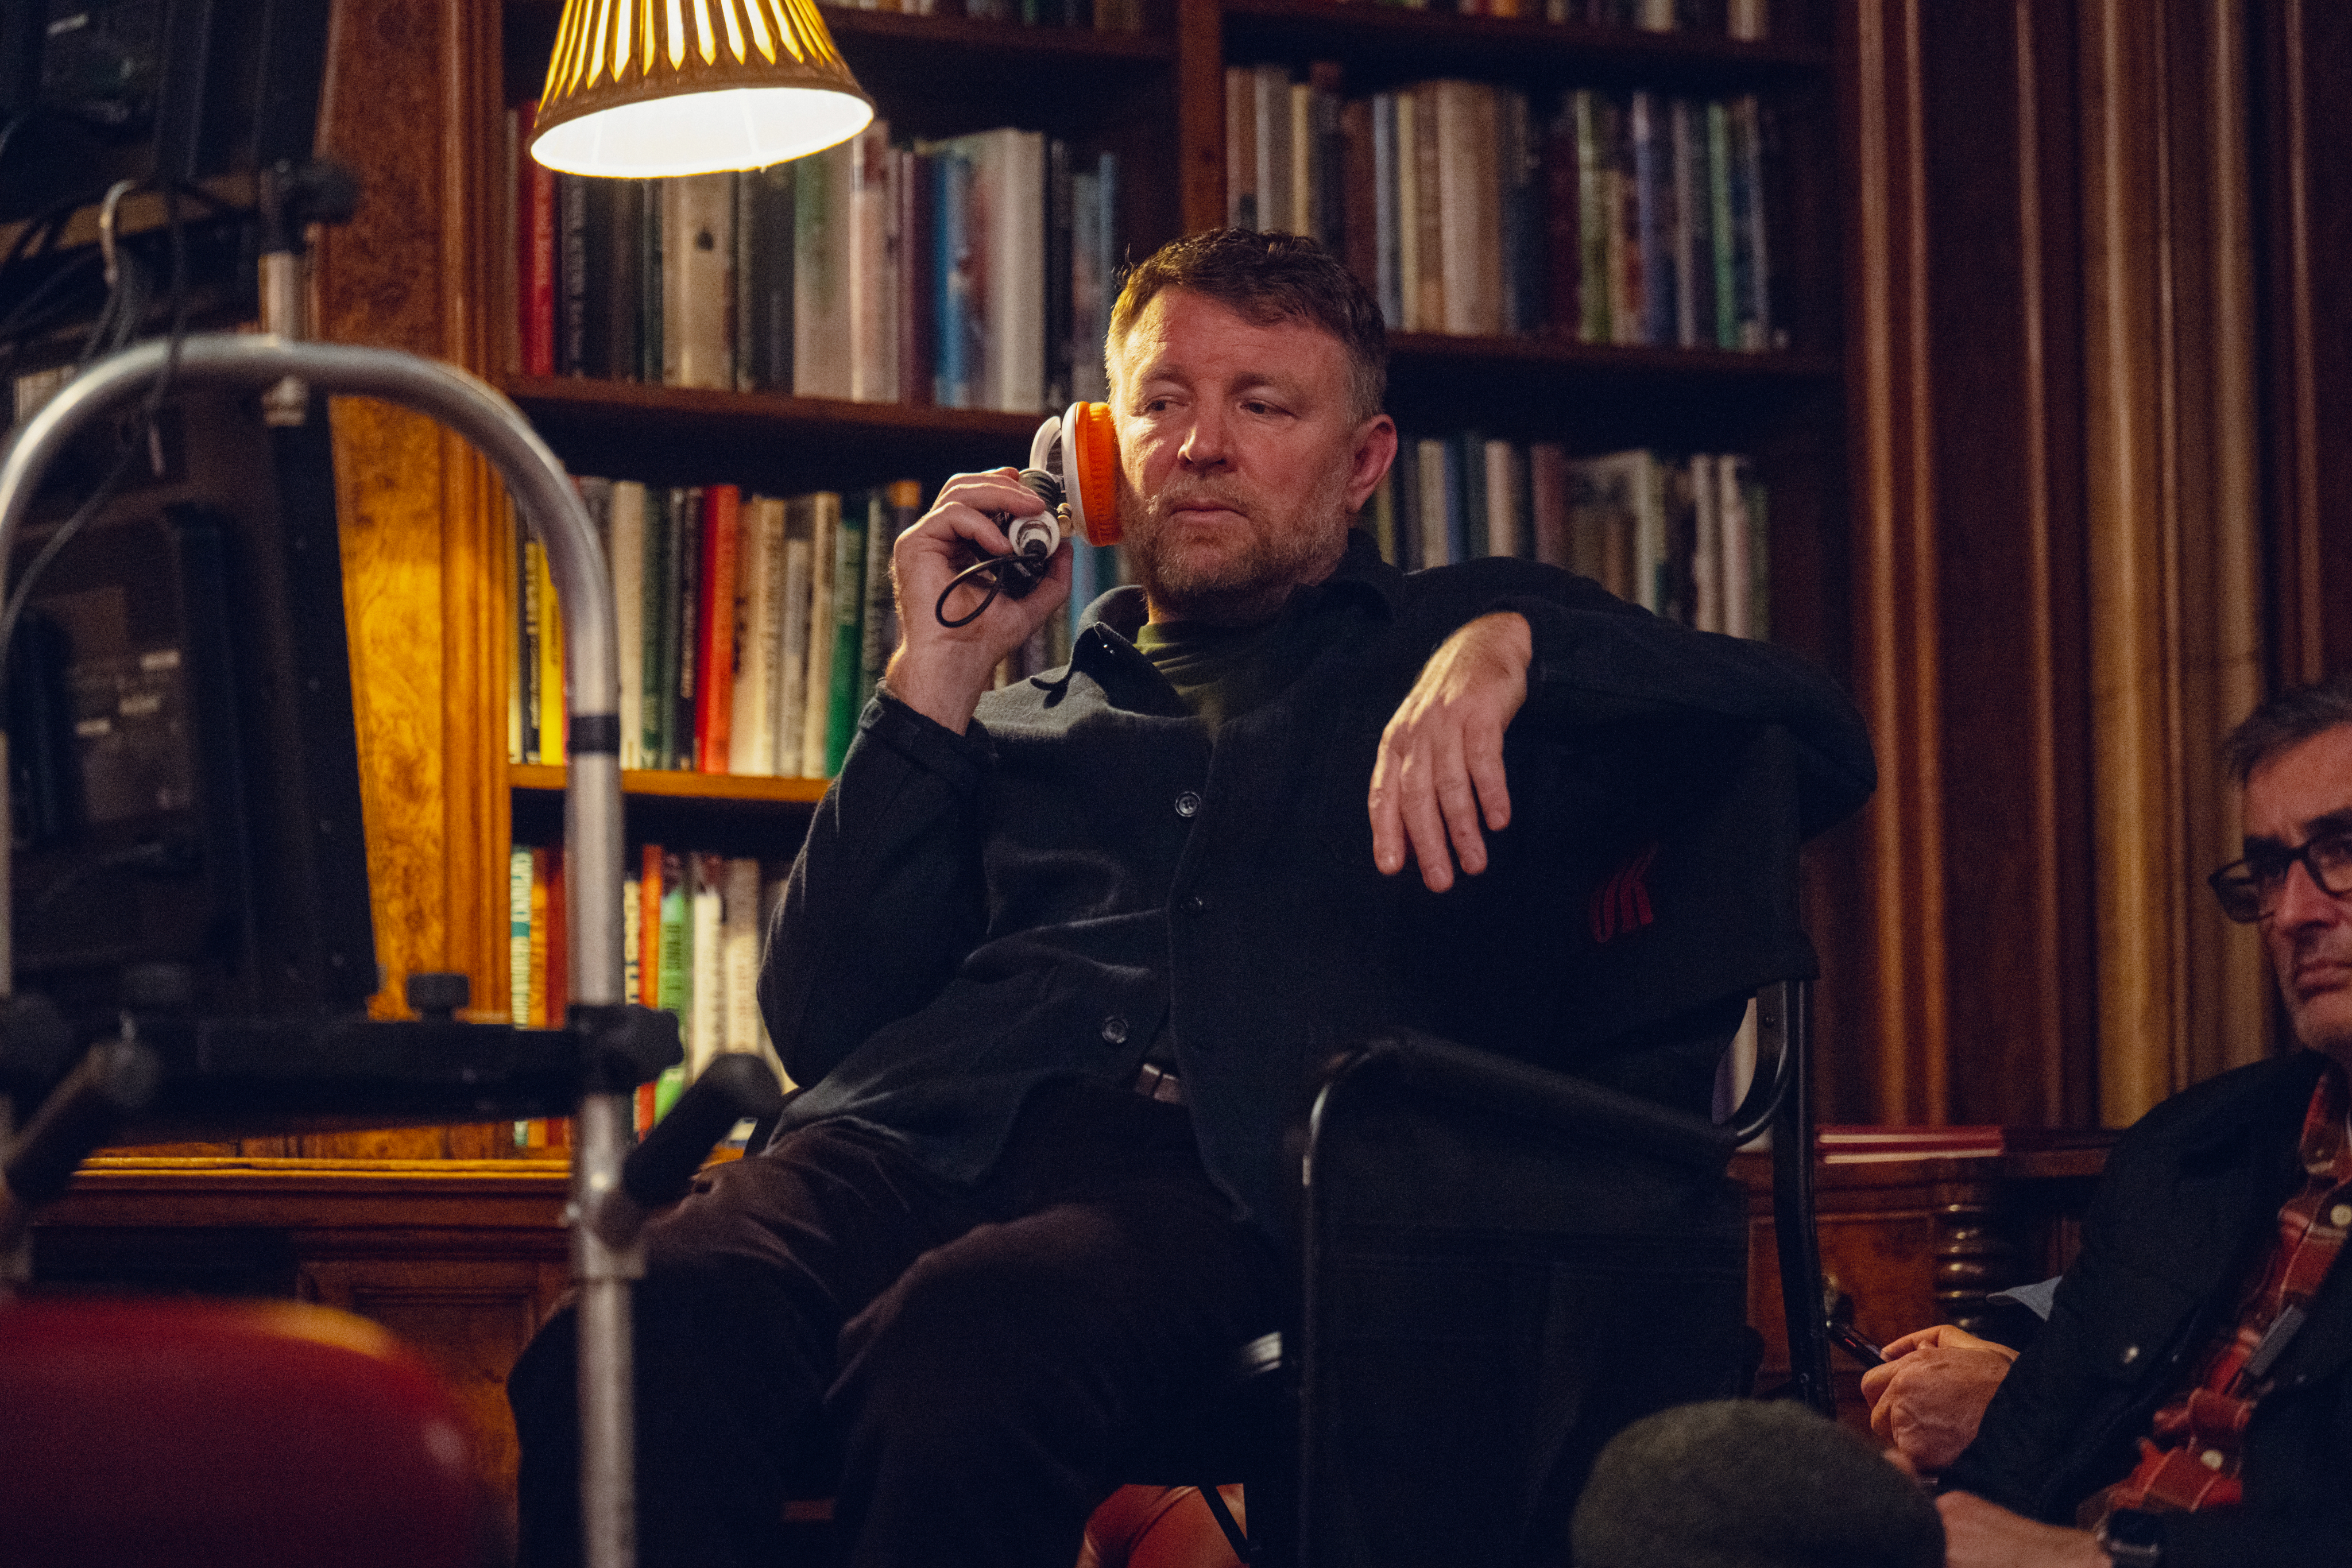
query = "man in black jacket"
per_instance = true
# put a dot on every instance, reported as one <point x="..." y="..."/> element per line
<point x="1056" y="961"/>
<point x="2188" y="1402"/>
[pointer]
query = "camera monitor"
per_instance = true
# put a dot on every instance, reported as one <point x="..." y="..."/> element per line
<point x="184" y="769"/>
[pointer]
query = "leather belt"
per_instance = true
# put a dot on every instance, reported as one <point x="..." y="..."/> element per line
<point x="1155" y="1082"/>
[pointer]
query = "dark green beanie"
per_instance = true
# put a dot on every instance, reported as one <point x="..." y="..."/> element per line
<point x="1749" y="1484"/>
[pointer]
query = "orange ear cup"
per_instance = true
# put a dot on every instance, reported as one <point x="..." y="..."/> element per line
<point x="1094" y="463"/>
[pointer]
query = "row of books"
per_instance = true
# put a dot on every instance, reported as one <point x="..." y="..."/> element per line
<point x="969" y="273"/>
<point x="1602" y="217"/>
<point x="752" y="628"/>
<point x="1102" y="15"/>
<point x="691" y="929"/>
<point x="1686" y="537"/>
<point x="1746" y="20"/>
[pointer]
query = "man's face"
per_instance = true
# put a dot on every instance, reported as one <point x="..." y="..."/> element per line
<point x="2302" y="793"/>
<point x="1241" y="458"/>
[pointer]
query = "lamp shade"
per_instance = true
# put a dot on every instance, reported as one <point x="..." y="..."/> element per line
<point x="647" y="89"/>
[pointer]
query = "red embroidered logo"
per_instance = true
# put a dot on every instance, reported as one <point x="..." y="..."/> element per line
<point x="1621" y="904"/>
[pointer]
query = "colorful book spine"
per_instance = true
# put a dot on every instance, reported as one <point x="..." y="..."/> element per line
<point x="722" y="512"/>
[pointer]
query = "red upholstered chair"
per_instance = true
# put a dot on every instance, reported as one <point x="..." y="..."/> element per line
<point x="1160" y="1527"/>
<point x="137" y="1431"/>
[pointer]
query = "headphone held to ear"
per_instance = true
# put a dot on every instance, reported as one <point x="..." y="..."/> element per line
<point x="1074" y="469"/>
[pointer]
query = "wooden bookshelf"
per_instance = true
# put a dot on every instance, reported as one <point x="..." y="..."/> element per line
<point x="651" y="784"/>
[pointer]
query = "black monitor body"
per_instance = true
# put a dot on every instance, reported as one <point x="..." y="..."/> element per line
<point x="184" y="774"/>
<point x="165" y="94"/>
<point x="148" y="91"/>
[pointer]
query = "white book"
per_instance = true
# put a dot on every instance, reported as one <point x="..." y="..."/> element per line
<point x="518" y="935"/>
<point x="739" y="943"/>
<point x="1743" y="576"/>
<point x="1302" y="158"/>
<point x="1272" y="111"/>
<point x="699" y="281"/>
<point x="1012" y="185"/>
<point x="824" y="521"/>
<point x="1241" y="153"/>
<point x="873" y="264"/>
<point x="759" y="580"/>
<point x="1436" y="538"/>
<point x="1464" y="238"/>
<point x="822" y="306"/>
<point x="633" y="928"/>
<point x="1089" y="303"/>
<point x="628" y="564"/>
<point x="792" y="652"/>
<point x="703" y="1026"/>
<point x="1502" y="519"/>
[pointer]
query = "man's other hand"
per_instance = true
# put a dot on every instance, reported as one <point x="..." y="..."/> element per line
<point x="1979" y="1534"/>
<point x="1440" y="768"/>
<point x="941" y="671"/>
<point x="1929" y="1397"/>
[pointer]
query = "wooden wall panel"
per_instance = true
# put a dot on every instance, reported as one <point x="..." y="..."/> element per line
<point x="2303" y="52"/>
<point x="2001" y="177"/>
<point x="407" y="107"/>
<point x="2168" y="437"/>
<point x="1891" y="455"/>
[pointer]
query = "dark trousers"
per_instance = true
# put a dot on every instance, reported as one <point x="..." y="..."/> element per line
<point x="962" y="1367"/>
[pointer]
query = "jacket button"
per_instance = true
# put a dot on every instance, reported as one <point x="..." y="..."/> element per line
<point x="1196" y="904"/>
<point x="2130" y="1354"/>
<point x="1114" y="1029"/>
<point x="1187" y="803"/>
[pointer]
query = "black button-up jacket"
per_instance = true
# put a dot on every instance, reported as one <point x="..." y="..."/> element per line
<point x="1088" y="868"/>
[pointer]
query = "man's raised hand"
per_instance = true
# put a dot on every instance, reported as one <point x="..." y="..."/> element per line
<point x="1440" y="768"/>
<point x="941" y="671"/>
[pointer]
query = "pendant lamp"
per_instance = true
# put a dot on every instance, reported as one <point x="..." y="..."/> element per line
<point x="649" y="88"/>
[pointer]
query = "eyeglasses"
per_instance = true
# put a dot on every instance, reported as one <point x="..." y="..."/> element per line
<point x="2249" y="889"/>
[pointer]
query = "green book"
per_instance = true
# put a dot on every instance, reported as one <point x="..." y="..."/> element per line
<point x="677" y="991"/>
<point x="876" y="638"/>
<point x="1725" y="326"/>
<point x="848" y="631"/>
<point x="1593" y="218"/>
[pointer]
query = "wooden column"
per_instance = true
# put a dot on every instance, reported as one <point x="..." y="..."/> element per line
<point x="407" y="107"/>
<point x="1896" y="670"/>
<point x="2002" y="182"/>
<point x="2173" y="569"/>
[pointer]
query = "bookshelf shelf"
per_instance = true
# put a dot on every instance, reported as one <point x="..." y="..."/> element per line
<point x="669" y="434"/>
<point x="731" y="787"/>
<point x="1385" y="44"/>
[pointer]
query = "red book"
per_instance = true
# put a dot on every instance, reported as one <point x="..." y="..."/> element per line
<point x="714" y="660"/>
<point x="649" y="893"/>
<point x="559" y="951"/>
<point x="535" y="238"/>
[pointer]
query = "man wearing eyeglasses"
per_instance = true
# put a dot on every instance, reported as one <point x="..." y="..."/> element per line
<point x="2187" y="1401"/>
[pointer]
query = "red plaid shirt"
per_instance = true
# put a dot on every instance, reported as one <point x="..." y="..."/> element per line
<point x="2193" y="1458"/>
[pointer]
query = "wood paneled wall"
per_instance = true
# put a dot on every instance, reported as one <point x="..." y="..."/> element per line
<point x="2303" y="65"/>
<point x="2060" y="589"/>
